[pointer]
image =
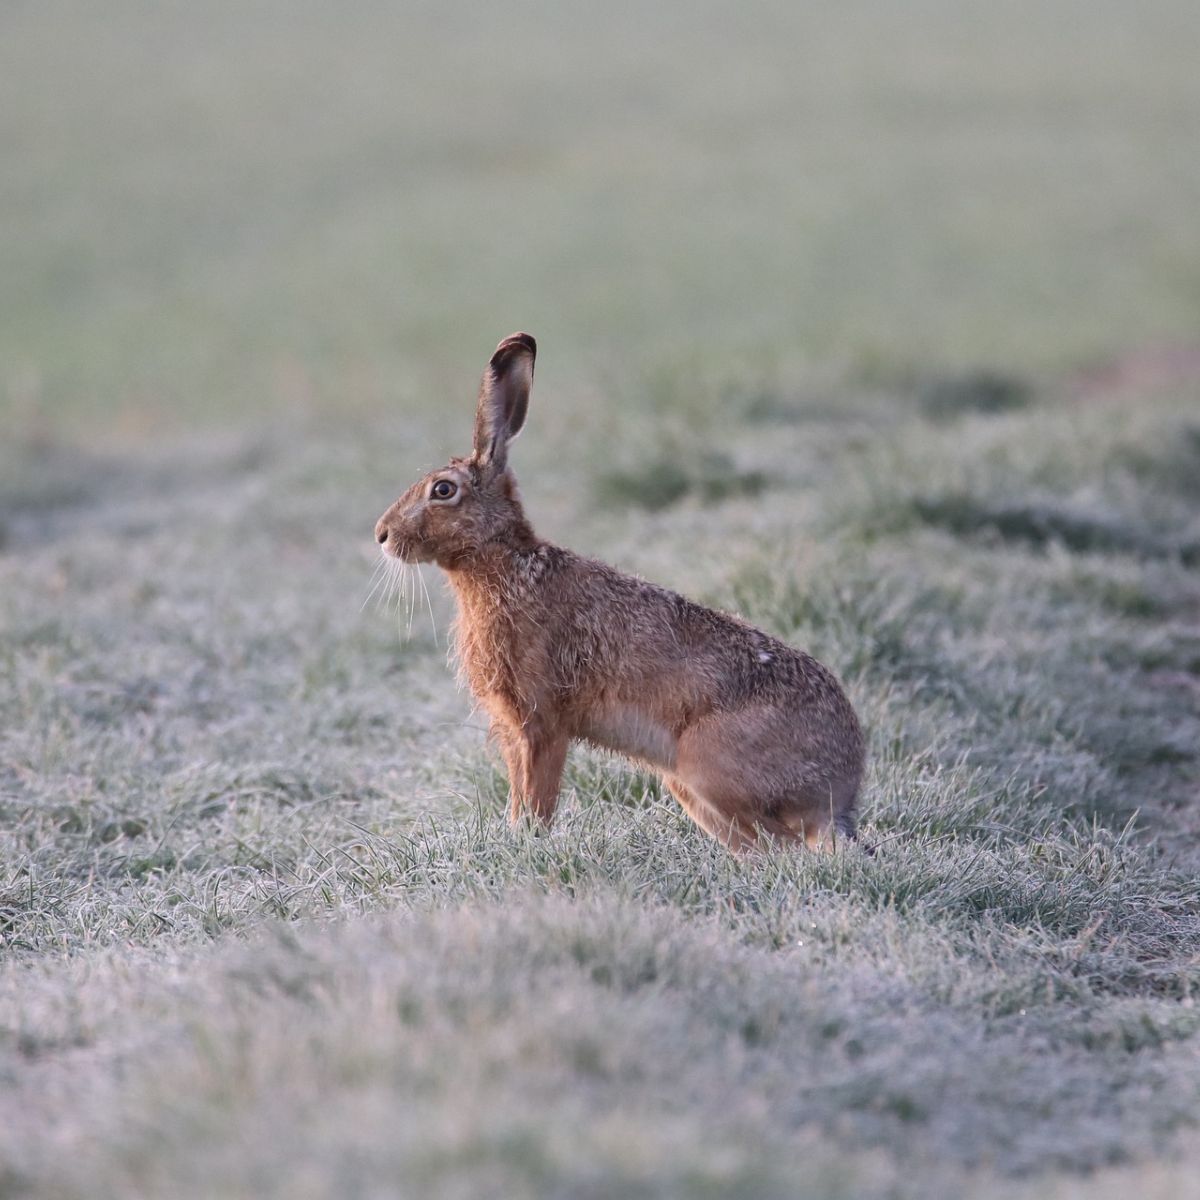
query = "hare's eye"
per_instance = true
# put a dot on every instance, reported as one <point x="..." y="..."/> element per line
<point x="443" y="490"/>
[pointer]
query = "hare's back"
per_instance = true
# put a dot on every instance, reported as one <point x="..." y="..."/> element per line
<point x="648" y="635"/>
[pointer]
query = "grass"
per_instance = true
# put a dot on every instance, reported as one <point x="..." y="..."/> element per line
<point x="819" y="328"/>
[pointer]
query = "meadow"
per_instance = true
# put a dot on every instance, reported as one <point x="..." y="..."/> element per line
<point x="876" y="324"/>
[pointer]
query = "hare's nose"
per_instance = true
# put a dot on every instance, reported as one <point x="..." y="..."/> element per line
<point x="381" y="533"/>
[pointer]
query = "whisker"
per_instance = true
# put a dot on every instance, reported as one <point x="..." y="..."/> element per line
<point x="400" y="595"/>
<point x="395" y="583"/>
<point x="410" y="589"/>
<point x="396" y="580"/>
<point x="375" y="582"/>
<point x="381" y="601"/>
<point x="381" y="594"/>
<point x="428" y="605"/>
<point x="396" y="588"/>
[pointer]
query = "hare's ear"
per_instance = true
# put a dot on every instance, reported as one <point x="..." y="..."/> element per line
<point x="503" y="399"/>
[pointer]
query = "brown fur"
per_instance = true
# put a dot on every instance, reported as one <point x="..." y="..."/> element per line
<point x="753" y="737"/>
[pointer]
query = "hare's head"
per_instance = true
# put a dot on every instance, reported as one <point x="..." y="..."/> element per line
<point x="452" y="514"/>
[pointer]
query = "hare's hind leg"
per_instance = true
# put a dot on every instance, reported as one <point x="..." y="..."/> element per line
<point x="731" y="828"/>
<point x="724" y="829"/>
<point x="751" y="770"/>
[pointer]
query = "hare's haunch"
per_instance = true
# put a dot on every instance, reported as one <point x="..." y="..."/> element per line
<point x="753" y="737"/>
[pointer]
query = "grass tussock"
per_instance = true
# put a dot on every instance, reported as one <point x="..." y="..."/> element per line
<point x="1047" y="523"/>
<point x="710" y="477"/>
<point x="981" y="391"/>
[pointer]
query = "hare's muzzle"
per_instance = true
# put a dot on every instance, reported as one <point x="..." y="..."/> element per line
<point x="389" y="538"/>
<point x="397" y="538"/>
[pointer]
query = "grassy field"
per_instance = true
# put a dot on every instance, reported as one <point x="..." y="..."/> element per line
<point x="876" y="323"/>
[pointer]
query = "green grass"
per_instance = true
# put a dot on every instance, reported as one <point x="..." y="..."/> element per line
<point x="818" y="298"/>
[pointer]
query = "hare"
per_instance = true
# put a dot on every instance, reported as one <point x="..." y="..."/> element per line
<point x="754" y="738"/>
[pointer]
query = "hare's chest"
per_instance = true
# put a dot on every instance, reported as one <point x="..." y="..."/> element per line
<point x="485" y="660"/>
<point x="496" y="663"/>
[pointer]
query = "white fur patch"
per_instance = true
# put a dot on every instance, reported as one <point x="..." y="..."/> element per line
<point x="628" y="731"/>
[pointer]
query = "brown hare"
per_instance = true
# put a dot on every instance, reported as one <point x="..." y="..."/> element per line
<point x="755" y="738"/>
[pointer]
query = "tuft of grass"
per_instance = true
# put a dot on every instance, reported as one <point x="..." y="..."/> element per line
<point x="983" y="391"/>
<point x="1037" y="524"/>
<point x="657" y="484"/>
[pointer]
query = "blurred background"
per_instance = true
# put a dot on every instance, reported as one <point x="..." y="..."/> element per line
<point x="225" y="212"/>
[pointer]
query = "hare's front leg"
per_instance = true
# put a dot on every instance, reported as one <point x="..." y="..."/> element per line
<point x="535" y="761"/>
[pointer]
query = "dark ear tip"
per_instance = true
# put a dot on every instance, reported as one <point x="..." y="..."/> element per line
<point x="514" y="344"/>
